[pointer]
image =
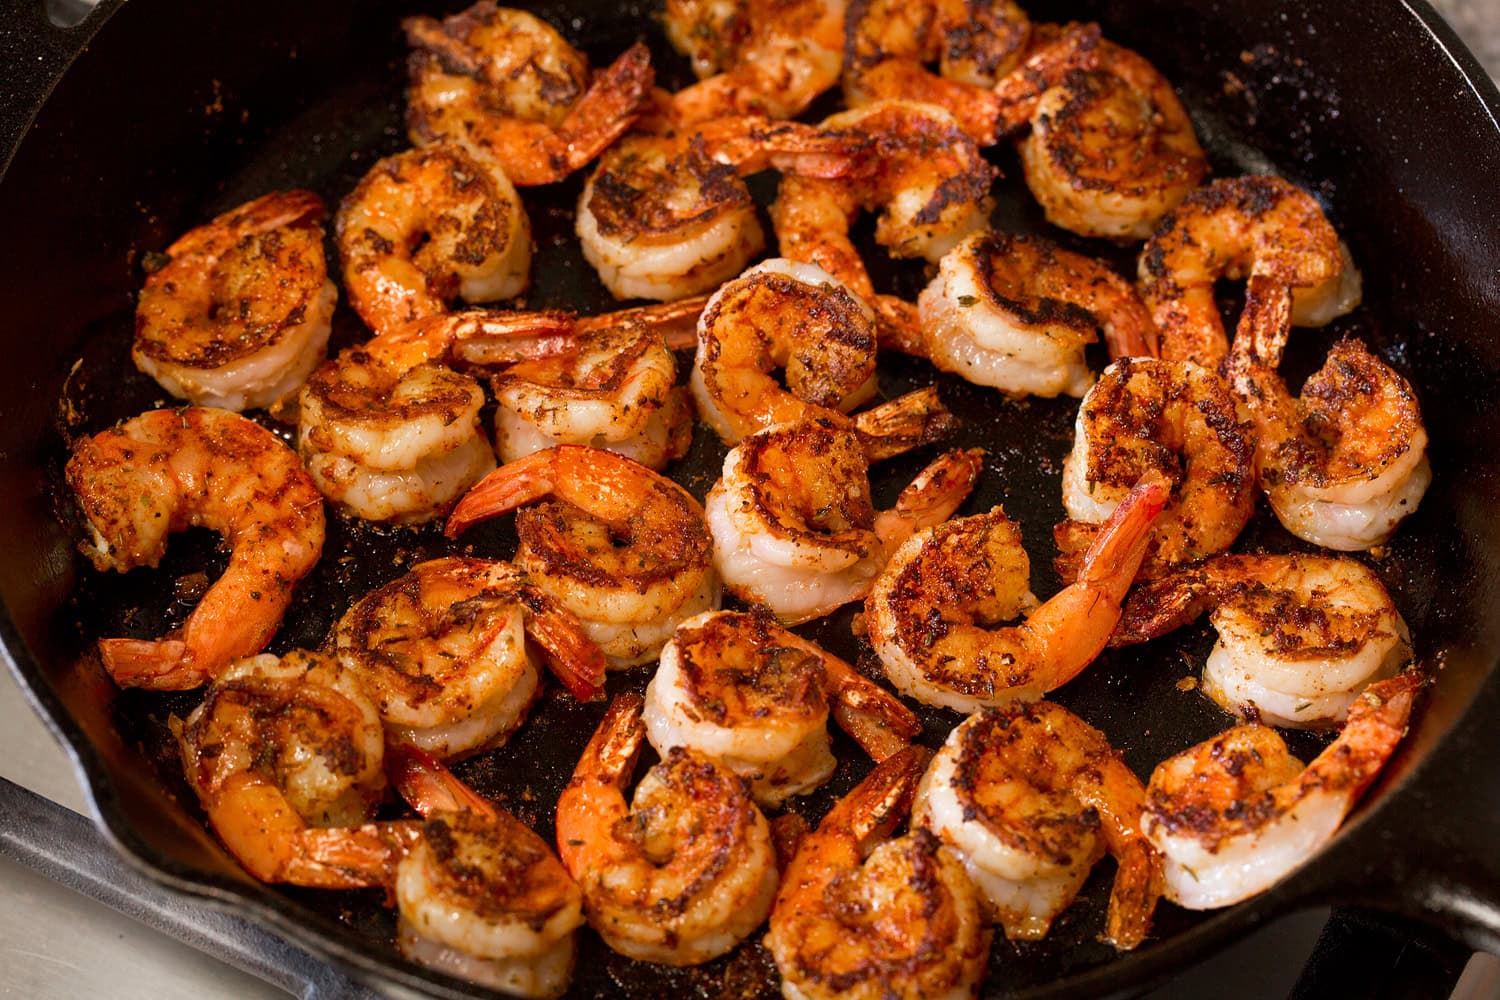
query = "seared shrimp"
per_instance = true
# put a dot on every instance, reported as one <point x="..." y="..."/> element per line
<point x="169" y="470"/>
<point x="504" y="84"/>
<point x="1176" y="419"/>
<point x="1300" y="636"/>
<point x="681" y="873"/>
<point x="623" y="548"/>
<point x="1023" y="794"/>
<point x="239" y="316"/>
<point x="1111" y="149"/>
<point x="427" y="226"/>
<point x="1234" y="814"/>
<point x="863" y="917"/>
<point x="793" y="524"/>
<point x="666" y="216"/>
<point x="285" y="754"/>
<point x="479" y="895"/>
<point x="932" y="610"/>
<point x="737" y="687"/>
<point x="1241" y="227"/>
<point x="1015" y="313"/>
<point x="443" y="652"/>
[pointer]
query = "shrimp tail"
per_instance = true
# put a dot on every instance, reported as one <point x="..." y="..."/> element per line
<point x="428" y="786"/>
<point x="871" y="812"/>
<point x="508" y="487"/>
<point x="875" y="718"/>
<point x="932" y="497"/>
<point x="904" y="423"/>
<point x="152" y="664"/>
<point x="1115" y="556"/>
<point x="1265" y="321"/>
<point x="572" y="656"/>
<point x="609" y="106"/>
<point x="676" y="321"/>
<point x="612" y="752"/>
<point x="350" y="857"/>
<point x="900" y="326"/>
<point x="1132" y="899"/>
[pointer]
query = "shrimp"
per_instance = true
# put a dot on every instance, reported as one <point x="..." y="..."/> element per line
<point x="863" y="917"/>
<point x="1022" y="794"/>
<point x="480" y="896"/>
<point x="426" y="226"/>
<point x="1300" y="636"/>
<point x="443" y="652"/>
<point x="793" y="524"/>
<point x="932" y="610"/>
<point x="1256" y="227"/>
<point x="1179" y="420"/>
<point x="623" y="548"/>
<point x="768" y="57"/>
<point x="285" y="754"/>
<point x="1234" y="814"/>
<point x="240" y="314"/>
<point x="1015" y="313"/>
<point x="504" y="84"/>
<point x="169" y="470"/>
<point x="738" y="688"/>
<point x="1111" y="150"/>
<point x="666" y="216"/>
<point x="681" y="873"/>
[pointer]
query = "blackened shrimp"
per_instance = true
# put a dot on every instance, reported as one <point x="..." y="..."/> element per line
<point x="933" y="611"/>
<point x="239" y="315"/>
<point x="678" y="874"/>
<point x="169" y="470"/>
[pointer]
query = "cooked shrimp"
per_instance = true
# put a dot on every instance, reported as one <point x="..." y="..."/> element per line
<point x="1234" y="814"/>
<point x="239" y="315"/>
<point x="504" y="84"/>
<point x="932" y="610"/>
<point x="1015" y="313"/>
<point x="681" y="873"/>
<point x="443" y="652"/>
<point x="863" y="917"/>
<point x="427" y="226"/>
<point x="666" y="216"/>
<point x="285" y="754"/>
<point x="738" y="688"/>
<point x="1111" y="150"/>
<point x="1022" y="795"/>
<point x="1300" y="636"/>
<point x="793" y="524"/>
<point x="169" y="470"/>
<point x="1240" y="227"/>
<point x="1179" y="420"/>
<point x="623" y="548"/>
<point x="769" y="57"/>
<point x="481" y="896"/>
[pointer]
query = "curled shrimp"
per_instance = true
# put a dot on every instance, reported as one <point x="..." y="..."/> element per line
<point x="427" y="226"/>
<point x="1015" y="313"/>
<point x="793" y="524"/>
<point x="1300" y="636"/>
<point x="286" y="754"/>
<point x="1111" y="149"/>
<point x="1174" y="419"/>
<point x="863" y="917"/>
<point x="1022" y="794"/>
<point x="1234" y="814"/>
<point x="737" y="687"/>
<point x="932" y="611"/>
<point x="443" y="651"/>
<point x="169" y="470"/>
<point x="682" y="872"/>
<point x="240" y="314"/>
<point x="506" y="86"/>
<point x="1237" y="227"/>
<point x="623" y="548"/>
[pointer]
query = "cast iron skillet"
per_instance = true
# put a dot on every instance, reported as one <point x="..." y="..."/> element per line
<point x="171" y="111"/>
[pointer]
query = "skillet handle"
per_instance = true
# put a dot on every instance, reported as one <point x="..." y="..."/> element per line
<point x="38" y="40"/>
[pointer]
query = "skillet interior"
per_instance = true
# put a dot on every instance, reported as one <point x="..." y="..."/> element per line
<point x="111" y="171"/>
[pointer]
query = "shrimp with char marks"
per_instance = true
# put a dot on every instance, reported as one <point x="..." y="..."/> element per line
<point x="1030" y="796"/>
<point x="1234" y="814"/>
<point x="860" y="916"/>
<point x="793" y="524"/>
<point x="169" y="470"/>
<point x="679" y="874"/>
<point x="756" y="698"/>
<point x="623" y="548"/>
<point x="932" y="611"/>
<point x="239" y="315"/>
